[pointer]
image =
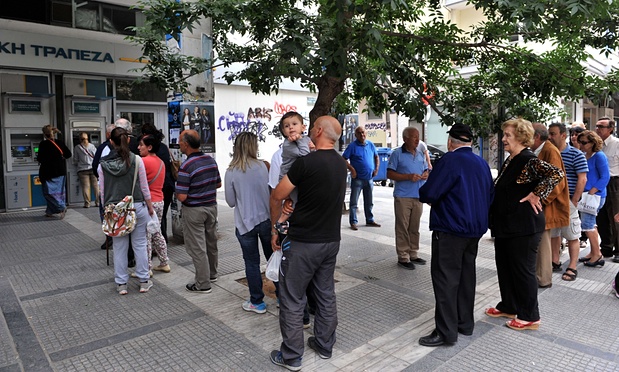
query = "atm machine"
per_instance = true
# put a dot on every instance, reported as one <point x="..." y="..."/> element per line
<point x="22" y="185"/>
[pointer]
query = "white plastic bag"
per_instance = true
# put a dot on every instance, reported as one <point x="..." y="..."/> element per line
<point x="153" y="225"/>
<point x="589" y="203"/>
<point x="272" y="272"/>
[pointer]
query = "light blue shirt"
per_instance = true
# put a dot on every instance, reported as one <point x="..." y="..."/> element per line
<point x="404" y="162"/>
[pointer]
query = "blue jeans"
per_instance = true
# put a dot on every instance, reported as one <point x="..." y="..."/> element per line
<point x="251" y="256"/>
<point x="356" y="185"/>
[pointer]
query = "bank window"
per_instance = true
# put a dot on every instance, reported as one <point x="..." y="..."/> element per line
<point x="82" y="14"/>
<point x="131" y="90"/>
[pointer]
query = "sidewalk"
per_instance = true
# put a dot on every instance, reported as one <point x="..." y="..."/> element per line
<point x="60" y="310"/>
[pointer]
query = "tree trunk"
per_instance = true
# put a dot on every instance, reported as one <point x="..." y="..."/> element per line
<point x="328" y="88"/>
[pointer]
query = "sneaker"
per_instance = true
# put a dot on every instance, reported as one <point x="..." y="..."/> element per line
<point x="311" y="342"/>
<point x="278" y="359"/>
<point x="281" y="227"/>
<point x="213" y="280"/>
<point x="122" y="289"/>
<point x="134" y="275"/>
<point x="145" y="286"/>
<point x="583" y="244"/>
<point x="164" y="268"/>
<point x="306" y="325"/>
<point x="616" y="258"/>
<point x="261" y="308"/>
<point x="193" y="288"/>
<point x="407" y="265"/>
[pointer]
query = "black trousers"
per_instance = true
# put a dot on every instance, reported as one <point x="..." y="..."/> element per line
<point x="515" y="266"/>
<point x="607" y="227"/>
<point x="167" y="200"/>
<point x="453" y="280"/>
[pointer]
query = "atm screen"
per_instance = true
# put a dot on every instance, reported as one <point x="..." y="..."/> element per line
<point x="21" y="151"/>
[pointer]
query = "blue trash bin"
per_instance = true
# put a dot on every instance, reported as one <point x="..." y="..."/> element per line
<point x="383" y="158"/>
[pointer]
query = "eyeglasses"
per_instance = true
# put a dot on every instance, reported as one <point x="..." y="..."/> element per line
<point x="602" y="127"/>
<point x="583" y="142"/>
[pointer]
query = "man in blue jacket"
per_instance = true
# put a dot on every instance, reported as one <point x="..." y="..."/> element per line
<point x="460" y="190"/>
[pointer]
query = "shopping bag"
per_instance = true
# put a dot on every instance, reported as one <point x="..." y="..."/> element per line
<point x="589" y="204"/>
<point x="272" y="272"/>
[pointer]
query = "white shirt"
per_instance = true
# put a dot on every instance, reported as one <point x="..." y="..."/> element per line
<point x="611" y="150"/>
<point x="276" y="164"/>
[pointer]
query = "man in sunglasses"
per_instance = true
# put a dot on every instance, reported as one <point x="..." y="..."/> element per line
<point x="607" y="227"/>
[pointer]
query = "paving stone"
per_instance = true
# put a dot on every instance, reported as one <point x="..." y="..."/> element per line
<point x="566" y="319"/>
<point x="526" y="353"/>
<point x="66" y="320"/>
<point x="8" y="354"/>
<point x="66" y="241"/>
<point x="366" y="311"/>
<point x="203" y="344"/>
<point x="419" y="279"/>
<point x="60" y="272"/>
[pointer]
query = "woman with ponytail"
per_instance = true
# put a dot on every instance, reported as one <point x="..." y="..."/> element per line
<point x="52" y="157"/>
<point x="116" y="178"/>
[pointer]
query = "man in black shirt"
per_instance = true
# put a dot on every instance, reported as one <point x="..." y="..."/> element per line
<point x="310" y="250"/>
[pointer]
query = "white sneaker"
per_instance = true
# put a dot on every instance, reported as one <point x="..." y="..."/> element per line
<point x="145" y="286"/>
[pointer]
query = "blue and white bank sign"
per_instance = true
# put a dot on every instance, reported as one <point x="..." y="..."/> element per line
<point x="61" y="53"/>
<point x="48" y="51"/>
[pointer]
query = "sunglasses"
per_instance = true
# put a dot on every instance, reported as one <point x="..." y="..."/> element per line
<point x="602" y="127"/>
<point x="583" y="142"/>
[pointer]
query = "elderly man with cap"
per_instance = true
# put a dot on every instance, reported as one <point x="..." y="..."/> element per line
<point x="460" y="190"/>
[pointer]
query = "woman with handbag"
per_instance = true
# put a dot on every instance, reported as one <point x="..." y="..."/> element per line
<point x="155" y="173"/>
<point x="121" y="173"/>
<point x="52" y="157"/>
<point x="597" y="179"/>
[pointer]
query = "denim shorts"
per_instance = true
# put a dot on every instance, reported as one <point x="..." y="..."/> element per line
<point x="587" y="221"/>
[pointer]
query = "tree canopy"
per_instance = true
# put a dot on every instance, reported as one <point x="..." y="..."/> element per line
<point x="398" y="54"/>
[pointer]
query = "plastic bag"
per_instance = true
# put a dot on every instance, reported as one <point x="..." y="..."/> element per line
<point x="153" y="225"/>
<point x="272" y="272"/>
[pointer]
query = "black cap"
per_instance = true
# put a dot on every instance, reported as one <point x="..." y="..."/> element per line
<point x="577" y="129"/>
<point x="461" y="132"/>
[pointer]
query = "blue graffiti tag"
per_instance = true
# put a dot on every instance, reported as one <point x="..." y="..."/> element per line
<point x="235" y="122"/>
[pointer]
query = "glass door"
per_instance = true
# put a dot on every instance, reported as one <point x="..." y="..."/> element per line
<point x="139" y="114"/>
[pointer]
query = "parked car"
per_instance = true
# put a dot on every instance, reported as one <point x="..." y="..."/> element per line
<point x="436" y="152"/>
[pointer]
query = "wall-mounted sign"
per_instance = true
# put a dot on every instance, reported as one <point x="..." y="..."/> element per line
<point x="86" y="107"/>
<point x="31" y="106"/>
<point x="311" y="101"/>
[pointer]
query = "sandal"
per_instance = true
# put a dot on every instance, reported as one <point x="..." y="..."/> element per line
<point x="556" y="267"/>
<point x="570" y="277"/>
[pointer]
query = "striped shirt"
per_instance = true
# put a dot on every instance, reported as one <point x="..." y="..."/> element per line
<point x="198" y="177"/>
<point x="575" y="162"/>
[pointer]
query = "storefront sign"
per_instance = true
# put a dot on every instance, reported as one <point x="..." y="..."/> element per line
<point x="25" y="106"/>
<point x="86" y="107"/>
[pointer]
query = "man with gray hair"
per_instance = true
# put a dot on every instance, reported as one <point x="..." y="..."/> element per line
<point x="196" y="188"/>
<point x="408" y="168"/>
<point x="460" y="190"/>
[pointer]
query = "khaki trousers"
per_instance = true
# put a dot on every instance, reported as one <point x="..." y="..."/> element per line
<point x="543" y="266"/>
<point x="407" y="218"/>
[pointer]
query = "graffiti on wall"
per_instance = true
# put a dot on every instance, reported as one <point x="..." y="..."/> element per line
<point x="262" y="121"/>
